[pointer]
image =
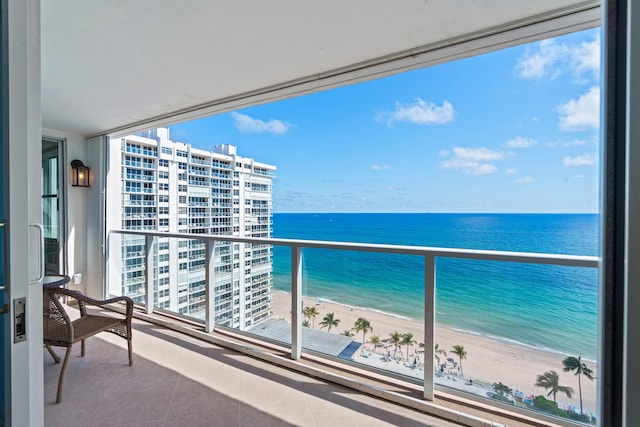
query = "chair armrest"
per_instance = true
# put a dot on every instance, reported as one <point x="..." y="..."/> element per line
<point x="84" y="300"/>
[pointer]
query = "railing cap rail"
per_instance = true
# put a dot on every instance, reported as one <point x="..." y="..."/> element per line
<point x="487" y="255"/>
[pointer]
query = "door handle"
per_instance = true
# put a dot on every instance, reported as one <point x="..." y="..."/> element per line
<point x="40" y="253"/>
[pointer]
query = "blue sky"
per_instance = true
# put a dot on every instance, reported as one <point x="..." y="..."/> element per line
<point x="510" y="131"/>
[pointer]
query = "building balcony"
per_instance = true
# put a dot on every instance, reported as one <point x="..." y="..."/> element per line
<point x="141" y="151"/>
<point x="167" y="386"/>
<point x="274" y="324"/>
<point x="136" y="177"/>
<point x="200" y="162"/>
<point x="220" y="165"/>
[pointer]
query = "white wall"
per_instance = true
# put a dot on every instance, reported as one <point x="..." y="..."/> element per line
<point x="95" y="244"/>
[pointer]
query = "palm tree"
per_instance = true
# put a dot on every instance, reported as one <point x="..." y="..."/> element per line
<point x="347" y="333"/>
<point x="306" y="324"/>
<point x="311" y="313"/>
<point x="459" y="351"/>
<point x="407" y="339"/>
<point x="329" y="321"/>
<point x="502" y="391"/>
<point x="375" y="340"/>
<point x="551" y="380"/>
<point x="395" y="339"/>
<point x="575" y="364"/>
<point x="437" y="352"/>
<point x="362" y="325"/>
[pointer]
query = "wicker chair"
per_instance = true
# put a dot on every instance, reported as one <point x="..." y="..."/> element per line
<point x="60" y="331"/>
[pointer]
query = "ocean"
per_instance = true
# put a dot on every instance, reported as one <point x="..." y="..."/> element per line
<point x="552" y="308"/>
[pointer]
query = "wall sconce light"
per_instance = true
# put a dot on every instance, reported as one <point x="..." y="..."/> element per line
<point x="79" y="174"/>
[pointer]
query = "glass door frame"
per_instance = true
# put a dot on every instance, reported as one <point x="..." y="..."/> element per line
<point x="62" y="199"/>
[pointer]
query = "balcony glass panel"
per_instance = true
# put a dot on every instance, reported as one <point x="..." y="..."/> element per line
<point x="501" y="325"/>
<point x="358" y="312"/>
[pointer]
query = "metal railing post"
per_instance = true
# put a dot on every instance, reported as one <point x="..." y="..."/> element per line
<point x="429" y="322"/>
<point x="210" y="315"/>
<point x="148" y="273"/>
<point x="296" y="302"/>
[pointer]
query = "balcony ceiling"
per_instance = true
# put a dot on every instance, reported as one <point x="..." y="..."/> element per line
<point x="110" y="64"/>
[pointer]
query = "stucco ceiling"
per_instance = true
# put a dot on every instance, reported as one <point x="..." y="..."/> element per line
<point x="110" y="64"/>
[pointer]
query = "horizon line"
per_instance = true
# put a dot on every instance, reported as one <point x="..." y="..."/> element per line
<point x="447" y="213"/>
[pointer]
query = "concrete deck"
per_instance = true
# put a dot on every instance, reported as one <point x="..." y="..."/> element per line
<point x="177" y="380"/>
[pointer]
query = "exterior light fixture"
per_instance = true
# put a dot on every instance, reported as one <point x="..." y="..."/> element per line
<point x="79" y="174"/>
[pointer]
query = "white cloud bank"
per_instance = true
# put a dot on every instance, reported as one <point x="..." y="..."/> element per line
<point x="421" y="113"/>
<point x="582" y="113"/>
<point x="584" y="160"/>
<point x="248" y="124"/>
<point x="549" y="59"/>
<point x="474" y="161"/>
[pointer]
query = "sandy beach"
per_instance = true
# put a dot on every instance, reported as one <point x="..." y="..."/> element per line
<point x="488" y="360"/>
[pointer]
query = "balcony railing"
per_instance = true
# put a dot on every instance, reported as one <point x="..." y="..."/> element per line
<point x="215" y="273"/>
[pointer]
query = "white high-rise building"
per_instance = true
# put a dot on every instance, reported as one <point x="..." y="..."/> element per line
<point x="170" y="186"/>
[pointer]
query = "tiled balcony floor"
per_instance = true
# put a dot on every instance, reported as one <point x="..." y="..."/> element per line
<point x="177" y="380"/>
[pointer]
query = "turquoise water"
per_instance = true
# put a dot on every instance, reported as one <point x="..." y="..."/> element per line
<point x="548" y="307"/>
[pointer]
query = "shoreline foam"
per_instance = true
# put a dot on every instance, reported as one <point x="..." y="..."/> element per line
<point x="490" y="359"/>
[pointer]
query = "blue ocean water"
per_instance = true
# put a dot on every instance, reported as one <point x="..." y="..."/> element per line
<point x="548" y="307"/>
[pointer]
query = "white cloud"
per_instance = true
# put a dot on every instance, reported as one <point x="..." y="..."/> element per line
<point x="380" y="167"/>
<point x="586" y="56"/>
<point x="548" y="59"/>
<point x="248" y="124"/>
<point x="511" y="171"/>
<point x="582" y="113"/>
<point x="421" y="113"/>
<point x="474" y="161"/>
<point x="584" y="160"/>
<point x="539" y="62"/>
<point x="521" y="142"/>
<point x="524" y="180"/>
